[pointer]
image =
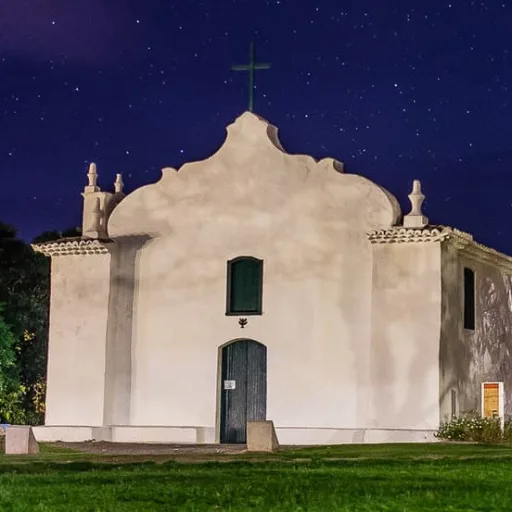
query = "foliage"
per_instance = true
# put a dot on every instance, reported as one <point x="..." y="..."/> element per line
<point x="24" y="289"/>
<point x="507" y="431"/>
<point x="39" y="398"/>
<point x="11" y="392"/>
<point x="8" y="371"/>
<point x="474" y="428"/>
<point x="7" y="356"/>
<point x="49" y="236"/>
<point x="11" y="405"/>
<point x="400" y="481"/>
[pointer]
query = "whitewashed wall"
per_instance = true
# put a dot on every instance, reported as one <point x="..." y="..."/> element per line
<point x="78" y="326"/>
<point x="406" y="327"/>
<point x="308" y="222"/>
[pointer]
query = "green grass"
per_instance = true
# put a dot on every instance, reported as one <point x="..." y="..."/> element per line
<point x="435" y="477"/>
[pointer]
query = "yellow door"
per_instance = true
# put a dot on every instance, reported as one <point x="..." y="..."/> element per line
<point x="491" y="400"/>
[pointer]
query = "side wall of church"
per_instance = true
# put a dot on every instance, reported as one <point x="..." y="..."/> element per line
<point x="404" y="357"/>
<point x="78" y="326"/>
<point x="471" y="357"/>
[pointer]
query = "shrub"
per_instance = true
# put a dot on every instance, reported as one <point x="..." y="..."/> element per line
<point x="507" y="431"/>
<point x="11" y="409"/>
<point x="475" y="429"/>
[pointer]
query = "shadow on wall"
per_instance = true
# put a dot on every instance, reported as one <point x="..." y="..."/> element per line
<point x="415" y="410"/>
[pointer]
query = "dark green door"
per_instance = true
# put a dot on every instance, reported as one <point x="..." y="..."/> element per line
<point x="243" y="388"/>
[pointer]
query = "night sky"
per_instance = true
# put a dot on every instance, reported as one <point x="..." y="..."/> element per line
<point x="418" y="90"/>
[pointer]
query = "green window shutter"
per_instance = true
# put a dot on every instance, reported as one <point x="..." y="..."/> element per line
<point x="245" y="286"/>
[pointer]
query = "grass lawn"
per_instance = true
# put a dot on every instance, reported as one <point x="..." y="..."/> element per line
<point x="438" y="477"/>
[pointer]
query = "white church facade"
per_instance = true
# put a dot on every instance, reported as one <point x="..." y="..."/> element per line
<point x="262" y="285"/>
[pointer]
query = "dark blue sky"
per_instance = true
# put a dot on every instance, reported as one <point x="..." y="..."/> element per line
<point x="414" y="90"/>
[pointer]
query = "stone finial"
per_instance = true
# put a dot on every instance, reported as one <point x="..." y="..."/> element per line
<point x="92" y="176"/>
<point x="118" y="184"/>
<point x="415" y="218"/>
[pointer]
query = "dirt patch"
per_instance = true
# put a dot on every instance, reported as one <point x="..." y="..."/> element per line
<point x="102" y="451"/>
<point x="102" y="447"/>
<point x="139" y="452"/>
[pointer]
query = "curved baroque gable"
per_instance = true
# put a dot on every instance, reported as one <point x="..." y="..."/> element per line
<point x="252" y="177"/>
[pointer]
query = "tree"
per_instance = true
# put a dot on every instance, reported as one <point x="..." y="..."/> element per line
<point x="48" y="236"/>
<point x="24" y="289"/>
<point x="11" y="391"/>
<point x="7" y="357"/>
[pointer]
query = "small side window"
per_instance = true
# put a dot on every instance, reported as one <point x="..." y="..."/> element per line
<point x="469" y="299"/>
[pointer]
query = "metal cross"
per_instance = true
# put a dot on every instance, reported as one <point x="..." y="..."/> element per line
<point x="251" y="67"/>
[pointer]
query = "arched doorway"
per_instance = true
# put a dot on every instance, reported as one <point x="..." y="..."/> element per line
<point x="243" y="388"/>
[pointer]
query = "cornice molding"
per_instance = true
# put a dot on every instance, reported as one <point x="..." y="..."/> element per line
<point x="73" y="246"/>
<point x="401" y="235"/>
<point x="460" y="240"/>
<point x="479" y="252"/>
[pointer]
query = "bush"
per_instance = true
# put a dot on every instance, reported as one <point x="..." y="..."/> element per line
<point x="507" y="431"/>
<point x="11" y="408"/>
<point x="475" y="429"/>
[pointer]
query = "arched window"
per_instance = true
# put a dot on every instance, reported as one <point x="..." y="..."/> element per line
<point x="245" y="286"/>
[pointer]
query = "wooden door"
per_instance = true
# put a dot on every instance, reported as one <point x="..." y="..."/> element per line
<point x="243" y="388"/>
<point x="491" y="400"/>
